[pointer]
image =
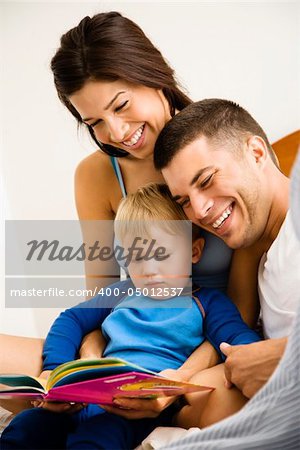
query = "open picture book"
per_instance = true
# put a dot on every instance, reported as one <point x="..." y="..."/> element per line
<point x="94" y="381"/>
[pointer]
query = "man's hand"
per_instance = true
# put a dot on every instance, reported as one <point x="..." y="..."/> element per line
<point x="136" y="408"/>
<point x="250" y="366"/>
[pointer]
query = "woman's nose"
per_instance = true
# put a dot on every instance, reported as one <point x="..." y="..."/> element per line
<point x="117" y="129"/>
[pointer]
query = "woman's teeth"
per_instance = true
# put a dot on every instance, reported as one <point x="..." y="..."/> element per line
<point x="224" y="216"/>
<point x="135" y="137"/>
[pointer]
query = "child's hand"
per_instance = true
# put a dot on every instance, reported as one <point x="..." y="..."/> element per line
<point x="140" y="408"/>
<point x="69" y="408"/>
<point x="58" y="407"/>
<point x="45" y="374"/>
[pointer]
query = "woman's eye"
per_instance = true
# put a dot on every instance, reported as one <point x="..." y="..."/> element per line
<point x="119" y="108"/>
<point x="206" y="181"/>
<point x="98" y="121"/>
<point x="92" y="125"/>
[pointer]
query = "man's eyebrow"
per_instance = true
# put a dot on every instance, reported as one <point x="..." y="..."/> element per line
<point x="86" y="119"/>
<point x="176" y="197"/>
<point x="194" y="180"/>
<point x="199" y="173"/>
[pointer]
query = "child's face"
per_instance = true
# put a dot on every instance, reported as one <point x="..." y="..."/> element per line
<point x="162" y="274"/>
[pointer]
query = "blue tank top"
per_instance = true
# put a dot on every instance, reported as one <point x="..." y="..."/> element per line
<point x="212" y="270"/>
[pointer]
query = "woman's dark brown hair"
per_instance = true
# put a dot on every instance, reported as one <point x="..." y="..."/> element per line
<point x="110" y="47"/>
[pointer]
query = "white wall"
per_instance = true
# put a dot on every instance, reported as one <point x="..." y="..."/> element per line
<point x="247" y="52"/>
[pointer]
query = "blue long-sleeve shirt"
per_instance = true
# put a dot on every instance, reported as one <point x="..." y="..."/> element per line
<point x="156" y="334"/>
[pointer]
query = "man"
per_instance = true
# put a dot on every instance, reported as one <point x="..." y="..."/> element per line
<point x="270" y="420"/>
<point x="221" y="169"/>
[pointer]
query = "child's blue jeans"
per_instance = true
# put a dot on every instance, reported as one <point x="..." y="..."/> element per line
<point x="91" y="428"/>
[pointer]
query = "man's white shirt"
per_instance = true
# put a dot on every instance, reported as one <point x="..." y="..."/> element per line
<point x="279" y="282"/>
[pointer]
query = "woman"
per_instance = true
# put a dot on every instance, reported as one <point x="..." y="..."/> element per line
<point x="115" y="82"/>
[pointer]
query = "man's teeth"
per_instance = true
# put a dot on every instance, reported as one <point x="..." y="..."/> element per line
<point x="135" y="137"/>
<point x="224" y="216"/>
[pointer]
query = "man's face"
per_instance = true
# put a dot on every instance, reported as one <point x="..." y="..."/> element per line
<point x="220" y="191"/>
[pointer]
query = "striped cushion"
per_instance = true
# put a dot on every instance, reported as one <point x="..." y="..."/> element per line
<point x="5" y="418"/>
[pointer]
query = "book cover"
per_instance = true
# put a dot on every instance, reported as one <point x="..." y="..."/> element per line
<point x="94" y="381"/>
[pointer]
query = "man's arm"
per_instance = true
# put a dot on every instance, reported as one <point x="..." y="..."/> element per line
<point x="250" y="366"/>
<point x="242" y="290"/>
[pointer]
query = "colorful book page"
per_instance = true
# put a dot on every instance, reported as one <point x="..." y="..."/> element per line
<point x="20" y="380"/>
<point x="103" y="390"/>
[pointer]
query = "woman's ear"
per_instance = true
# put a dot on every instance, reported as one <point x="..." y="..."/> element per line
<point x="197" y="249"/>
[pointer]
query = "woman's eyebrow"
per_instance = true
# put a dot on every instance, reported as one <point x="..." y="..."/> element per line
<point x="86" y="119"/>
<point x="115" y="97"/>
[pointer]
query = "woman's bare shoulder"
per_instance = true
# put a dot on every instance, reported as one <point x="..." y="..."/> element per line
<point x="96" y="165"/>
<point x="97" y="191"/>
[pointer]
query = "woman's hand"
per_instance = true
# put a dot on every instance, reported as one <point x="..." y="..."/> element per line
<point x="137" y="408"/>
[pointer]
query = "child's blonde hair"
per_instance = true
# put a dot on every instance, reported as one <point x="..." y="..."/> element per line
<point x="150" y="202"/>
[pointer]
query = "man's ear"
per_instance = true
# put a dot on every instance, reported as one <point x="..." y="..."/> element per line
<point x="258" y="149"/>
<point x="197" y="249"/>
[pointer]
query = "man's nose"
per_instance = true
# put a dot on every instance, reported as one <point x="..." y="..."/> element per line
<point x="201" y="205"/>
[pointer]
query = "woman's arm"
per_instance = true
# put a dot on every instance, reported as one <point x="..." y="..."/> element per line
<point x="97" y="195"/>
<point x="20" y="355"/>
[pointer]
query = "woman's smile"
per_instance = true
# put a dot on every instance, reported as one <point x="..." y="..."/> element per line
<point x="123" y="114"/>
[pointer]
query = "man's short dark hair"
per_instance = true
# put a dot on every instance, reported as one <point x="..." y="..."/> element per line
<point x="221" y="121"/>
